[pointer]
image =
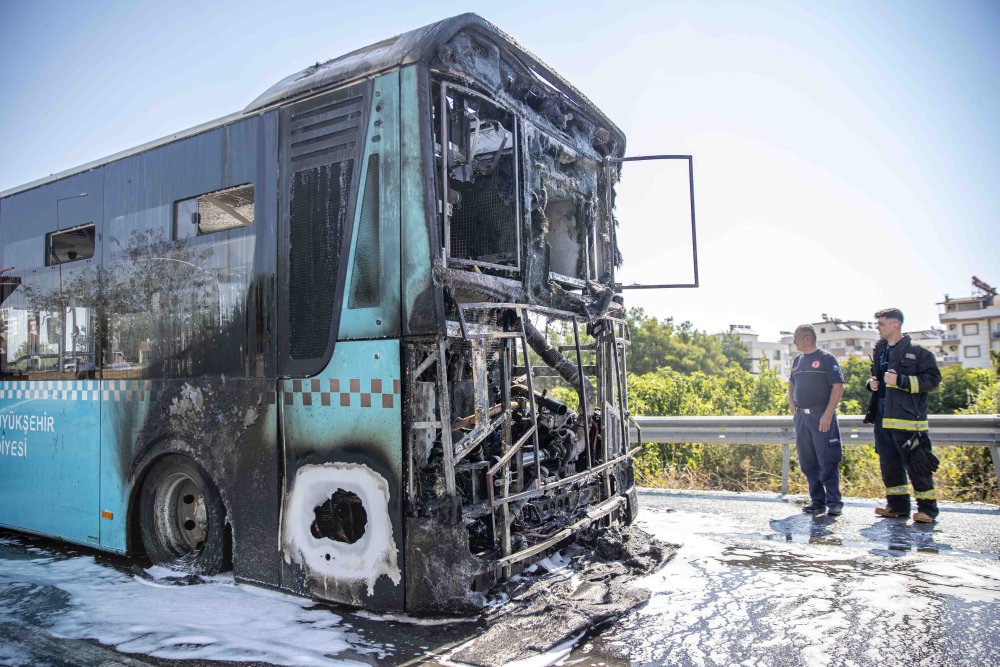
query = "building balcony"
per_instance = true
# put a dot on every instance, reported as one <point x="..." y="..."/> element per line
<point x="965" y="315"/>
<point x="950" y="336"/>
<point x="950" y="359"/>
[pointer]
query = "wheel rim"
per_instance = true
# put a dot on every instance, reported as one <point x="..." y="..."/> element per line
<point x="180" y="515"/>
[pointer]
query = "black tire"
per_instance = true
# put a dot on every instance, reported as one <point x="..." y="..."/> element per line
<point x="182" y="519"/>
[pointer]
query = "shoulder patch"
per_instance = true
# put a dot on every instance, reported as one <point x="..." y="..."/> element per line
<point x="910" y="355"/>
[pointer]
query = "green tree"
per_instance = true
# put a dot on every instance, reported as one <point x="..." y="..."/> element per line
<point x="657" y="344"/>
<point x="856" y="372"/>
<point x="985" y="399"/>
<point x="957" y="389"/>
<point x="669" y="392"/>
<point x="736" y="351"/>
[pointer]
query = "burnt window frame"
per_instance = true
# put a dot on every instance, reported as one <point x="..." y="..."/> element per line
<point x="51" y="259"/>
<point x="589" y="249"/>
<point x="443" y="176"/>
<point x="612" y="174"/>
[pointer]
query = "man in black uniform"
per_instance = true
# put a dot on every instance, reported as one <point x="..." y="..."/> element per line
<point x="902" y="375"/>
<point x="814" y="391"/>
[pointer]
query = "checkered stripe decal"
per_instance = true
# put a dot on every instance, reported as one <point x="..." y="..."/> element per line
<point x="376" y="393"/>
<point x="82" y="390"/>
<point x="59" y="390"/>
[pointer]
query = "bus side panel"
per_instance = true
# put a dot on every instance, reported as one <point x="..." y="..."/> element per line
<point x="341" y="533"/>
<point x="371" y="308"/>
<point x="423" y="305"/>
<point x="227" y="426"/>
<point x="50" y="458"/>
<point x="341" y="530"/>
<point x="126" y="409"/>
<point x="190" y="316"/>
<point x="49" y="419"/>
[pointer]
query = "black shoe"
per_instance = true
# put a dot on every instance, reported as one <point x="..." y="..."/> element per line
<point x="835" y="510"/>
<point x="814" y="508"/>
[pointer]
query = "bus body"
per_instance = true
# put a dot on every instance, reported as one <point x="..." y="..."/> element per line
<point x="306" y="339"/>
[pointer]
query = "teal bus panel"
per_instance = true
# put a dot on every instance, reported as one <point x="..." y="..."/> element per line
<point x="50" y="457"/>
<point x="371" y="306"/>
<point x="343" y="438"/>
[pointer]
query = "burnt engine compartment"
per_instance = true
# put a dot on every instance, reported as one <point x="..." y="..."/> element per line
<point x="511" y="443"/>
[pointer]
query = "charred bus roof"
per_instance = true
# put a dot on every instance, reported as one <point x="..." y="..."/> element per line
<point x="422" y="46"/>
<point x="416" y="46"/>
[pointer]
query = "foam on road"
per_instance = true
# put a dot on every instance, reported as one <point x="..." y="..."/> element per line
<point x="755" y="582"/>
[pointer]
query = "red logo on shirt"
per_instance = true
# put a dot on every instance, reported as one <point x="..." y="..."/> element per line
<point x="815" y="364"/>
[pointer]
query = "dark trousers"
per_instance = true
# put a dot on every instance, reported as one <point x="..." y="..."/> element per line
<point x="819" y="457"/>
<point x="889" y="445"/>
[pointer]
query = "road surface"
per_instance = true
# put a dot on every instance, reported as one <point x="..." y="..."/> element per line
<point x="754" y="582"/>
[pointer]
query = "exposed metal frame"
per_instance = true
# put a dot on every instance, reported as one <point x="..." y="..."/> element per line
<point x="608" y="161"/>
<point x="610" y="355"/>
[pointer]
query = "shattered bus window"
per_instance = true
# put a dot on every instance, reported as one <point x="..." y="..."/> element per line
<point x="482" y="214"/>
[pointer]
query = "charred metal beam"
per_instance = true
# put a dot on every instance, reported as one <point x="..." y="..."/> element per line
<point x="554" y="358"/>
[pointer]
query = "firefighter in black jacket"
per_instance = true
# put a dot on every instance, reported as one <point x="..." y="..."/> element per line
<point x="902" y="374"/>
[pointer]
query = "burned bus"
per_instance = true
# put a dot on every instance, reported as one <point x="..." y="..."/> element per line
<point x="328" y="340"/>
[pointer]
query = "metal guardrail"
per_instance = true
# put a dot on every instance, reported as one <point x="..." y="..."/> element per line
<point x="945" y="430"/>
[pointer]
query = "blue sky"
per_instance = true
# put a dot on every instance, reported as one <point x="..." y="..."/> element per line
<point x="847" y="154"/>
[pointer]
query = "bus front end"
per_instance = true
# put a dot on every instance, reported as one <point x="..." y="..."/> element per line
<point x="516" y="414"/>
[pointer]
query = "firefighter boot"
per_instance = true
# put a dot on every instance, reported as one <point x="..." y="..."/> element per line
<point x="890" y="513"/>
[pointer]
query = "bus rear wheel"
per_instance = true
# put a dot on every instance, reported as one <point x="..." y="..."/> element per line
<point x="182" y="518"/>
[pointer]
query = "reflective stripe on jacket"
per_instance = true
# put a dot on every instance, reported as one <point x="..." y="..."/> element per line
<point x="905" y="406"/>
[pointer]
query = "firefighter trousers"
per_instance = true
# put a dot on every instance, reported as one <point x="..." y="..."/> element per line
<point x="889" y="445"/>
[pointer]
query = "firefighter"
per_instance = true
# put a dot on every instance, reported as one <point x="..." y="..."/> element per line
<point x="902" y="375"/>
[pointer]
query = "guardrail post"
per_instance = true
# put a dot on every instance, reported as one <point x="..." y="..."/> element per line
<point x="785" y="457"/>
<point x="995" y="451"/>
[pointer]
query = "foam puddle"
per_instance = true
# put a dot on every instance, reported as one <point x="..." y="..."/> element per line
<point x="767" y="602"/>
<point x="216" y="620"/>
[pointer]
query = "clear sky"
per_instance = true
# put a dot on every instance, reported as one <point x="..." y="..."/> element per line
<point x="847" y="154"/>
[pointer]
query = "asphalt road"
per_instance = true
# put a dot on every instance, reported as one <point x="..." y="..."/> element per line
<point x="754" y="582"/>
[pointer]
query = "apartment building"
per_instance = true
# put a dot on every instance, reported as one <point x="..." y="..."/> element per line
<point x="932" y="340"/>
<point x="972" y="326"/>
<point x="778" y="356"/>
<point x="846" y="338"/>
<point x="841" y="338"/>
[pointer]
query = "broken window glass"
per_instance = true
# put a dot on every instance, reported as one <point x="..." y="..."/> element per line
<point x="482" y="211"/>
<point x="214" y="212"/>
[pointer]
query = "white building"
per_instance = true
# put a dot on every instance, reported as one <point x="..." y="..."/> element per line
<point x="777" y="355"/>
<point x="846" y="338"/>
<point x="972" y="326"/>
<point x="933" y="340"/>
